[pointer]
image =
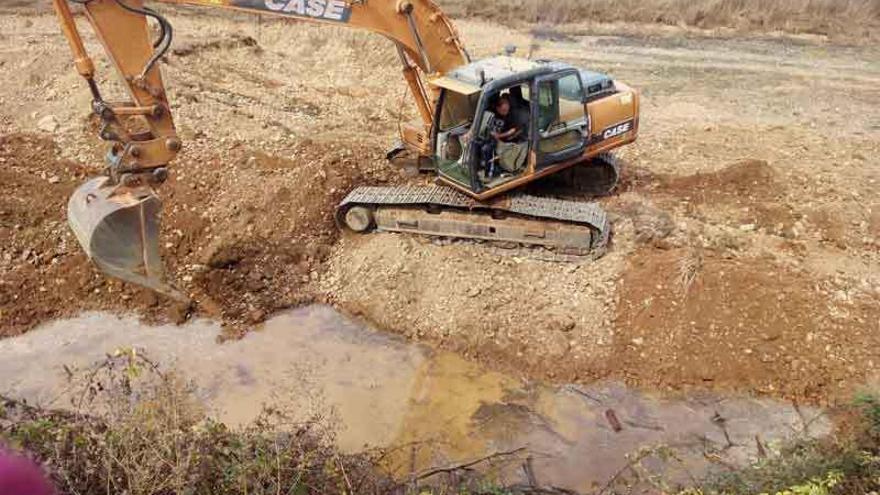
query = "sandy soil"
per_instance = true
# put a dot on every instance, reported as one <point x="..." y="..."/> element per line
<point x="747" y="230"/>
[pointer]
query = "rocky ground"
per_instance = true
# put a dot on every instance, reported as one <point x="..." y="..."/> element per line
<point x="747" y="227"/>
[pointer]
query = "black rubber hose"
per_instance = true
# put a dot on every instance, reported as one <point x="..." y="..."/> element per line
<point x="161" y="26"/>
<point x="164" y="43"/>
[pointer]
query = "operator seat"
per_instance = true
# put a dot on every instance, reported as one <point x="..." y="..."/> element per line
<point x="521" y="110"/>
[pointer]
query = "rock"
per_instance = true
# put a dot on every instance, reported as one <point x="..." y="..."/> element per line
<point x="54" y="179"/>
<point x="257" y="316"/>
<point x="564" y="324"/>
<point x="179" y="313"/>
<point x="49" y="123"/>
<point x="147" y="298"/>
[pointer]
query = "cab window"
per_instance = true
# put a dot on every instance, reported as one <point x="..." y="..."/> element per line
<point x="570" y="88"/>
<point x="562" y="116"/>
<point x="458" y="109"/>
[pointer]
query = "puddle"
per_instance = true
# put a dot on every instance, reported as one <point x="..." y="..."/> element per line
<point x="385" y="392"/>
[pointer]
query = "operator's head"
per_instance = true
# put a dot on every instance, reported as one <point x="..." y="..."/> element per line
<point x="503" y="105"/>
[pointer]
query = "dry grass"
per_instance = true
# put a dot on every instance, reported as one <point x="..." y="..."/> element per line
<point x="689" y="267"/>
<point x="133" y="428"/>
<point x="137" y="430"/>
<point x="843" y="20"/>
<point x="846" y="18"/>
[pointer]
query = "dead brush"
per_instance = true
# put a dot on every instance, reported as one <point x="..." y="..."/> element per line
<point x="689" y="267"/>
<point x="139" y="430"/>
<point x="846" y="18"/>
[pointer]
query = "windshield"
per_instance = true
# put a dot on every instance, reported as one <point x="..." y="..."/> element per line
<point x="457" y="109"/>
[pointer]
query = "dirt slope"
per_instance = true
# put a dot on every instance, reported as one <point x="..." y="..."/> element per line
<point x="242" y="251"/>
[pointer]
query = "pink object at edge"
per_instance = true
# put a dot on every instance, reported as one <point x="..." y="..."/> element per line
<point x="20" y="476"/>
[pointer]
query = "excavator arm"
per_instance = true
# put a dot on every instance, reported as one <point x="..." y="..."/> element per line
<point x="116" y="217"/>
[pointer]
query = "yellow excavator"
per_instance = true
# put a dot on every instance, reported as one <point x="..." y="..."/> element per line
<point x="486" y="128"/>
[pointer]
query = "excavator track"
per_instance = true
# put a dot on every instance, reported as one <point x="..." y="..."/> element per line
<point x="566" y="226"/>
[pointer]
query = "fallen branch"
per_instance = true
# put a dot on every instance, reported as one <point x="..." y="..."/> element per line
<point x="533" y="490"/>
<point x="467" y="465"/>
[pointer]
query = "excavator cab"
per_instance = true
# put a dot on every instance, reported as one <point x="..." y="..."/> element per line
<point x="560" y="109"/>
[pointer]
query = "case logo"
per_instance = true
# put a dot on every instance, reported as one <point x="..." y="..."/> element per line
<point x="617" y="130"/>
<point x="328" y="10"/>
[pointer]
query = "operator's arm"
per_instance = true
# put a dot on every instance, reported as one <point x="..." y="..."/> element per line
<point x="508" y="134"/>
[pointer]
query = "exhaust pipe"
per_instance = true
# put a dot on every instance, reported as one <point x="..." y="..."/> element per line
<point x="118" y="227"/>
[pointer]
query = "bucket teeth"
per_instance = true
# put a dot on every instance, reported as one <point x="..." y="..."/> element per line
<point x="119" y="230"/>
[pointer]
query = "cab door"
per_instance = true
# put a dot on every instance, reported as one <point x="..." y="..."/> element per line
<point x="561" y="124"/>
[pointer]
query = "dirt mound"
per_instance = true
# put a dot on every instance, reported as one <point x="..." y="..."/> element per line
<point x="695" y="319"/>
<point x="743" y="183"/>
<point x="747" y="194"/>
<point x="743" y="180"/>
<point x="243" y="234"/>
<point x="515" y="309"/>
<point x="250" y="232"/>
<point x="44" y="273"/>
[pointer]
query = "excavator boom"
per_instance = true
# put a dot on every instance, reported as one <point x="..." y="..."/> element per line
<point x="572" y="117"/>
<point x="116" y="217"/>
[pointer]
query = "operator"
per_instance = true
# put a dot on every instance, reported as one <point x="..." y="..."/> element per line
<point x="510" y="136"/>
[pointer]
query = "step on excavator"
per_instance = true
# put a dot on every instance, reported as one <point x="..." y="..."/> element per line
<point x="486" y="129"/>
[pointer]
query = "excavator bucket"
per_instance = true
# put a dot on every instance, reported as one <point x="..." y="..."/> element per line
<point x="119" y="230"/>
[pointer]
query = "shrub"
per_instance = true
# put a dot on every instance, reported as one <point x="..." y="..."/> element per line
<point x="137" y="430"/>
<point x="846" y="463"/>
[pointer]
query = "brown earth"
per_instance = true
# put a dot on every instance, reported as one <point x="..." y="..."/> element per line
<point x="239" y="259"/>
<point x="41" y="265"/>
<point x="692" y="319"/>
<point x="747" y="240"/>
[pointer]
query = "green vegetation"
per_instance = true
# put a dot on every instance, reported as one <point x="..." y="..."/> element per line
<point x="847" y="464"/>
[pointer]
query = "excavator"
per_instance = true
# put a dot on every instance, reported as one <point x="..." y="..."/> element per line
<point x="567" y="117"/>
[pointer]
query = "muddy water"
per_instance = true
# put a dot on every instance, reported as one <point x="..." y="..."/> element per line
<point x="385" y="392"/>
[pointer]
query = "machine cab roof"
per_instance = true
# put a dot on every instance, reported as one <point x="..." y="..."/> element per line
<point x="471" y="78"/>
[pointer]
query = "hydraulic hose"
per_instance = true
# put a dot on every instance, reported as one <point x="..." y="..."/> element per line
<point x="163" y="44"/>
